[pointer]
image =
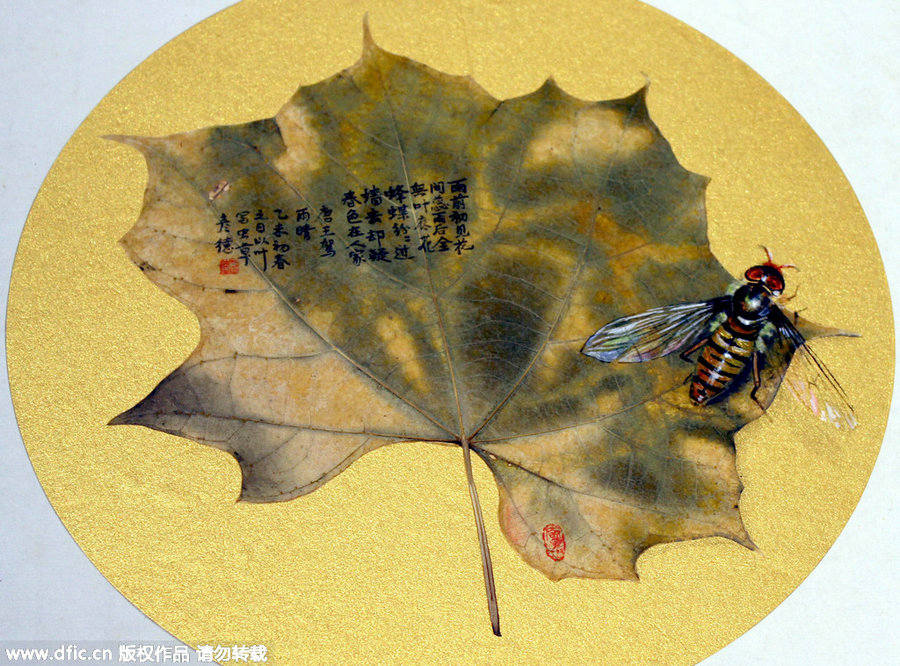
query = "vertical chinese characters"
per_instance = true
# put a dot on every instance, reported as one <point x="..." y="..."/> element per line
<point x="371" y="224"/>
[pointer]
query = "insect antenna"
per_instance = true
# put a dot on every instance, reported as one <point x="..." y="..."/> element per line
<point x="770" y="260"/>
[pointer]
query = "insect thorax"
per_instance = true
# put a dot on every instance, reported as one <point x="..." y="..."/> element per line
<point x="750" y="306"/>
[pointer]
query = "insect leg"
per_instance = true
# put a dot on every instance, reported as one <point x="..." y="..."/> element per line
<point x="756" y="381"/>
<point x="685" y="355"/>
<point x="788" y="299"/>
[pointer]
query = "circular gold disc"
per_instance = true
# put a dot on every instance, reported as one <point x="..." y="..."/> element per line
<point x="382" y="561"/>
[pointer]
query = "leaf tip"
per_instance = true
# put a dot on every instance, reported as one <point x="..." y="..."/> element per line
<point x="121" y="138"/>
<point x="368" y="42"/>
<point x="739" y="534"/>
<point x="636" y="103"/>
<point x="745" y="541"/>
<point x="702" y="180"/>
<point x="138" y="142"/>
<point x="551" y="89"/>
<point x="646" y="87"/>
<point x="121" y="419"/>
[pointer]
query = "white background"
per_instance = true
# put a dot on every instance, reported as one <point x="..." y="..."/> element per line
<point x="836" y="62"/>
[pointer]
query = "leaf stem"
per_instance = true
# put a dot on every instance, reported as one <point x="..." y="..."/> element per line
<point x="486" y="566"/>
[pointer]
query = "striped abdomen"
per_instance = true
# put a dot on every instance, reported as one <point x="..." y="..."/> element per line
<point x="722" y="359"/>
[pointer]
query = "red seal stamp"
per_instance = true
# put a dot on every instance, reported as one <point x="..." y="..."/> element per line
<point x="554" y="541"/>
<point x="228" y="267"/>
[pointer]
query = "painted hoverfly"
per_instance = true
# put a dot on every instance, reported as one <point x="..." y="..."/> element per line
<point x="732" y="333"/>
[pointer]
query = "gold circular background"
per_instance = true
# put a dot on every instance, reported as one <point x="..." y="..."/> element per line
<point x="382" y="562"/>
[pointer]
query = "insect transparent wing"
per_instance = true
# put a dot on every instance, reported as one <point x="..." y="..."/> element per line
<point x="656" y="332"/>
<point x="811" y="382"/>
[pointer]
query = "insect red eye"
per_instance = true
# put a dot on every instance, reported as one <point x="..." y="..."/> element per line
<point x="754" y="274"/>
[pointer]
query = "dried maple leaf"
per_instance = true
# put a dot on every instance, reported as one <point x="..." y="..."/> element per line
<point x="398" y="256"/>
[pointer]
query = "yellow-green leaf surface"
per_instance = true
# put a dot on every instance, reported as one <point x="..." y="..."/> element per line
<point x="528" y="224"/>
